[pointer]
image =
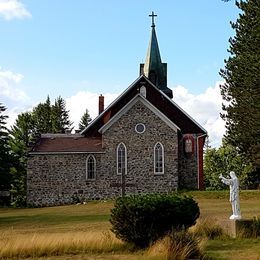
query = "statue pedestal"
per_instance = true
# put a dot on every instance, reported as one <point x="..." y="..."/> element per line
<point x="239" y="227"/>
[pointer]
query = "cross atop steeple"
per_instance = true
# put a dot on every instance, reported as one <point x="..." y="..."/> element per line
<point x="153" y="68"/>
<point x="153" y="15"/>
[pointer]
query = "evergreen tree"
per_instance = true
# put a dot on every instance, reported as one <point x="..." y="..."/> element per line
<point x="5" y="159"/>
<point x="85" y="120"/>
<point x="42" y="117"/>
<point x="241" y="91"/>
<point x="49" y="118"/>
<point x="60" y="117"/>
<point x="22" y="136"/>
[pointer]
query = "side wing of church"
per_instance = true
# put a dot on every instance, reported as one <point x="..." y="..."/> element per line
<point x="143" y="142"/>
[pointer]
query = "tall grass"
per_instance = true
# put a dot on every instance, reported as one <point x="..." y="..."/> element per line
<point x="177" y="245"/>
<point x="54" y="244"/>
<point x="206" y="228"/>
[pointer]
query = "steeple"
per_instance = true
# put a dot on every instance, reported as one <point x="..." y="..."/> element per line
<point x="153" y="68"/>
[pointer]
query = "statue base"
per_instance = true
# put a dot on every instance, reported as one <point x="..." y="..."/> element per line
<point x="233" y="217"/>
<point x="239" y="227"/>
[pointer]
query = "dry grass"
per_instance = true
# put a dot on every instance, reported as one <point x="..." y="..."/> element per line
<point x="209" y="229"/>
<point x="177" y="245"/>
<point x="82" y="232"/>
<point x="46" y="244"/>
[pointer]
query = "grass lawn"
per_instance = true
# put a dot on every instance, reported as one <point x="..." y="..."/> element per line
<point x="82" y="231"/>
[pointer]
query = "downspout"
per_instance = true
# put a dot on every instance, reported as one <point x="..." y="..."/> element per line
<point x="198" y="158"/>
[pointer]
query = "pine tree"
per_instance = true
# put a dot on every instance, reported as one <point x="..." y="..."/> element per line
<point x="60" y="117"/>
<point x="22" y="136"/>
<point x="241" y="91"/>
<point x="5" y="159"/>
<point x="42" y="117"/>
<point x="85" y="120"/>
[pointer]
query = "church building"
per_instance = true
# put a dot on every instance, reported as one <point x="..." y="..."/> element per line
<point x="143" y="142"/>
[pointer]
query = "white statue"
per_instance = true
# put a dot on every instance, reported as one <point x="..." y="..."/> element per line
<point x="234" y="194"/>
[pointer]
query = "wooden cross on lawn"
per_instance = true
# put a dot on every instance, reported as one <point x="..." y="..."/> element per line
<point x="153" y="15"/>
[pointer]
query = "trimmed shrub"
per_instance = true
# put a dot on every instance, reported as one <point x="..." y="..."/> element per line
<point x="142" y="219"/>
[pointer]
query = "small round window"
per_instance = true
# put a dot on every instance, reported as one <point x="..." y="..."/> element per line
<point x="140" y="128"/>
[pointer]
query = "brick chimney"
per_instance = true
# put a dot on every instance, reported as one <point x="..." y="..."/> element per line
<point x="100" y="104"/>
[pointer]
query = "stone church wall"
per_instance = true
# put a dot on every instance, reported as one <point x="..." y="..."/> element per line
<point x="140" y="177"/>
<point x="61" y="179"/>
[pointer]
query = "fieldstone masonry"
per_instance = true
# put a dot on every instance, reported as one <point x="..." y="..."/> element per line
<point x="61" y="178"/>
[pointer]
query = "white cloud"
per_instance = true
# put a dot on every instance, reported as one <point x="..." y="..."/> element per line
<point x="78" y="103"/>
<point x="205" y="108"/>
<point x="11" y="9"/>
<point x="8" y="86"/>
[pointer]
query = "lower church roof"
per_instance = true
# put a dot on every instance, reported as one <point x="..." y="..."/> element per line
<point x="67" y="143"/>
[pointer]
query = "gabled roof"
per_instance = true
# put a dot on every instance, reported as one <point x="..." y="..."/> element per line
<point x="157" y="98"/>
<point x="130" y="104"/>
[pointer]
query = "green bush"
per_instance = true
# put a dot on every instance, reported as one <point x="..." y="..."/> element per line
<point x="142" y="219"/>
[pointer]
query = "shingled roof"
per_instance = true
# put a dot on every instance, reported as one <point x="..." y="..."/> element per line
<point x="67" y="143"/>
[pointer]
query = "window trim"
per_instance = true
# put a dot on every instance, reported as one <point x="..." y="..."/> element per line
<point x="119" y="173"/>
<point x="95" y="167"/>
<point x="141" y="131"/>
<point x="154" y="151"/>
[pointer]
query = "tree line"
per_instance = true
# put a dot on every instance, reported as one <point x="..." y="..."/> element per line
<point x="16" y="142"/>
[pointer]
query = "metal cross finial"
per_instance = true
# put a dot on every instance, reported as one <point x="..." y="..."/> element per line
<point x="153" y="15"/>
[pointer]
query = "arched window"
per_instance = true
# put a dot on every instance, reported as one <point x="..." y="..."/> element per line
<point x="121" y="159"/>
<point x="158" y="159"/>
<point x="91" y="167"/>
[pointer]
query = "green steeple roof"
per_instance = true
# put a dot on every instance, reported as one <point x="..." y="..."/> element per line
<point x="154" y="69"/>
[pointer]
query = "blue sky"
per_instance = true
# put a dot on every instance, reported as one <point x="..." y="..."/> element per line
<point x="66" y="47"/>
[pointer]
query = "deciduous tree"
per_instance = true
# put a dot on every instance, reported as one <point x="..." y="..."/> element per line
<point x="222" y="160"/>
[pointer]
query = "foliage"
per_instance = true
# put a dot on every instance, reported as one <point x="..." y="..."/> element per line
<point x="45" y="118"/>
<point x="183" y="245"/>
<point x="85" y="120"/>
<point x="241" y="90"/>
<point x="22" y="136"/>
<point x="42" y="117"/>
<point x="60" y="117"/>
<point x="142" y="219"/>
<point x="49" y="118"/>
<point x="223" y="160"/>
<point x="5" y="159"/>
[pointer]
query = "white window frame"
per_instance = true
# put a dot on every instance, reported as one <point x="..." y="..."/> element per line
<point x="117" y="158"/>
<point x="154" y="154"/>
<point x="141" y="131"/>
<point x="95" y="163"/>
